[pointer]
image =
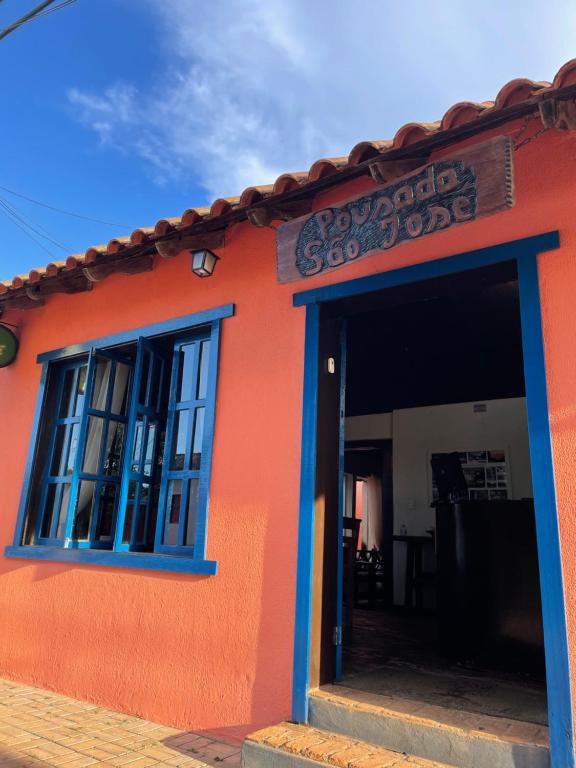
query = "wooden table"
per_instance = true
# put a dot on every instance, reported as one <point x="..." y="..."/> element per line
<point x="413" y="575"/>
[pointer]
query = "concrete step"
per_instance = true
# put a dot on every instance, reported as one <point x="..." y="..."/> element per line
<point x="450" y="736"/>
<point x="298" y="746"/>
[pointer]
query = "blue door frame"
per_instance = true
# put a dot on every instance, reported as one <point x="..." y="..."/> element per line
<point x="341" y="501"/>
<point x="525" y="253"/>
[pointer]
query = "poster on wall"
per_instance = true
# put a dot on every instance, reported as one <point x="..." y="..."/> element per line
<point x="455" y="190"/>
<point x="486" y="474"/>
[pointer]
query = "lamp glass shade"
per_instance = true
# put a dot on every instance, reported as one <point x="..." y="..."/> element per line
<point x="203" y="262"/>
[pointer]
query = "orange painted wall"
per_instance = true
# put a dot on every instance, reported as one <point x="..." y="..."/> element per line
<point x="215" y="653"/>
<point x="185" y="650"/>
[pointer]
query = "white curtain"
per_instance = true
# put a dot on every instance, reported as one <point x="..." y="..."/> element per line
<point x="372" y="512"/>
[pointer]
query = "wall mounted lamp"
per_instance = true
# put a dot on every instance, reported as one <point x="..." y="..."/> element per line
<point x="203" y="262"/>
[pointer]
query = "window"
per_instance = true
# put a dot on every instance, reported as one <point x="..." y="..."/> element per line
<point x="123" y="449"/>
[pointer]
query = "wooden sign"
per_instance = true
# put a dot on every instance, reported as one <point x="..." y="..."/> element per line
<point x="474" y="183"/>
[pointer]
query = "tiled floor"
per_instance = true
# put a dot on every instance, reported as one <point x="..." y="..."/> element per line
<point x="395" y="653"/>
<point x="39" y="728"/>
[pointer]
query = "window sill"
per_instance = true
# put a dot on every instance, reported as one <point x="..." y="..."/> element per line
<point x="146" y="560"/>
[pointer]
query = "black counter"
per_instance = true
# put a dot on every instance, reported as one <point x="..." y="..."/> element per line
<point x="488" y="586"/>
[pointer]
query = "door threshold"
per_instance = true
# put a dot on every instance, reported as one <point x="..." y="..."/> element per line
<point x="453" y="736"/>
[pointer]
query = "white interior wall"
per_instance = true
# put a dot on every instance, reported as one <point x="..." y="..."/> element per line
<point x="375" y="426"/>
<point x="416" y="433"/>
<point x="419" y="432"/>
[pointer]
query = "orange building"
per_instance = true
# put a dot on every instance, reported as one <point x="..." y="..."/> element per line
<point x="346" y="455"/>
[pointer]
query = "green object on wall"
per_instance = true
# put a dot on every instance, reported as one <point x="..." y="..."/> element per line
<point x="8" y="346"/>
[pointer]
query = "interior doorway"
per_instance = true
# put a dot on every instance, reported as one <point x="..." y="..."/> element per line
<point x="439" y="583"/>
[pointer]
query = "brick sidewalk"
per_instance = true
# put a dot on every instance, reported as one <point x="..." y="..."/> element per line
<point x="39" y="728"/>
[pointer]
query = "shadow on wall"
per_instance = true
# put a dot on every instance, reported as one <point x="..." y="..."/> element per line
<point x="47" y="569"/>
<point x="39" y="571"/>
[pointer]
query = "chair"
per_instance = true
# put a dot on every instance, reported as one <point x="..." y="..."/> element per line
<point x="370" y="577"/>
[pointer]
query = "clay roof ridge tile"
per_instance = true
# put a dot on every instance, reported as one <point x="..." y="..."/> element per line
<point x="566" y="75"/>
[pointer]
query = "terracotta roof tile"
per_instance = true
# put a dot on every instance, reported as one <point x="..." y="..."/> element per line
<point x="515" y="92"/>
<point x="366" y="150"/>
<point x="463" y="112"/>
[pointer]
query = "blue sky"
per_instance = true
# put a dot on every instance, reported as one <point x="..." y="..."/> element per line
<point x="132" y="110"/>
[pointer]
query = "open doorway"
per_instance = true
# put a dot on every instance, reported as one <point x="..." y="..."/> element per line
<point x="440" y="591"/>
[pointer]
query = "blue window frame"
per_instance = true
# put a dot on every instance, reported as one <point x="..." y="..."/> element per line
<point x="62" y="450"/>
<point x="96" y="477"/>
<point x="138" y="501"/>
<point x="180" y="498"/>
<point x="119" y="468"/>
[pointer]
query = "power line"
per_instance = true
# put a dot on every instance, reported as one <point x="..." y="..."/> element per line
<point x="66" y="213"/>
<point x="23" y="19"/>
<point x="52" y="10"/>
<point x="34" y="13"/>
<point x="33" y="226"/>
<point x="6" y="213"/>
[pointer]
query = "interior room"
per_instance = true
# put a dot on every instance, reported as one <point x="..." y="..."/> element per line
<point x="441" y="595"/>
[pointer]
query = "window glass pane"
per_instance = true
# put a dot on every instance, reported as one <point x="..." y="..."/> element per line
<point x="132" y="486"/>
<point x="143" y="509"/>
<point x="102" y="373"/>
<point x="179" y="440"/>
<point x="161" y="446"/>
<point x="65" y="501"/>
<point x="84" y="508"/>
<point x="57" y="500"/>
<point x="57" y="457"/>
<point x="152" y="515"/>
<point x="80" y="390"/>
<point x="140" y="525"/>
<point x="155" y="389"/>
<point x="173" y="511"/>
<point x="148" y="467"/>
<point x="67" y="394"/>
<point x="93" y="443"/>
<point x="114" y="446"/>
<point x="48" y="510"/>
<point x="186" y="383"/>
<point x="106" y="511"/>
<point x="137" y="451"/>
<point x="146" y="362"/>
<point x="128" y="523"/>
<point x="191" y="513"/>
<point x="120" y="391"/>
<point x="203" y="372"/>
<point x="198" y="436"/>
<point x="73" y="448"/>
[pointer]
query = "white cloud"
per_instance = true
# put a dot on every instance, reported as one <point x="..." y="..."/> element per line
<point x="252" y="88"/>
<point x="105" y="113"/>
